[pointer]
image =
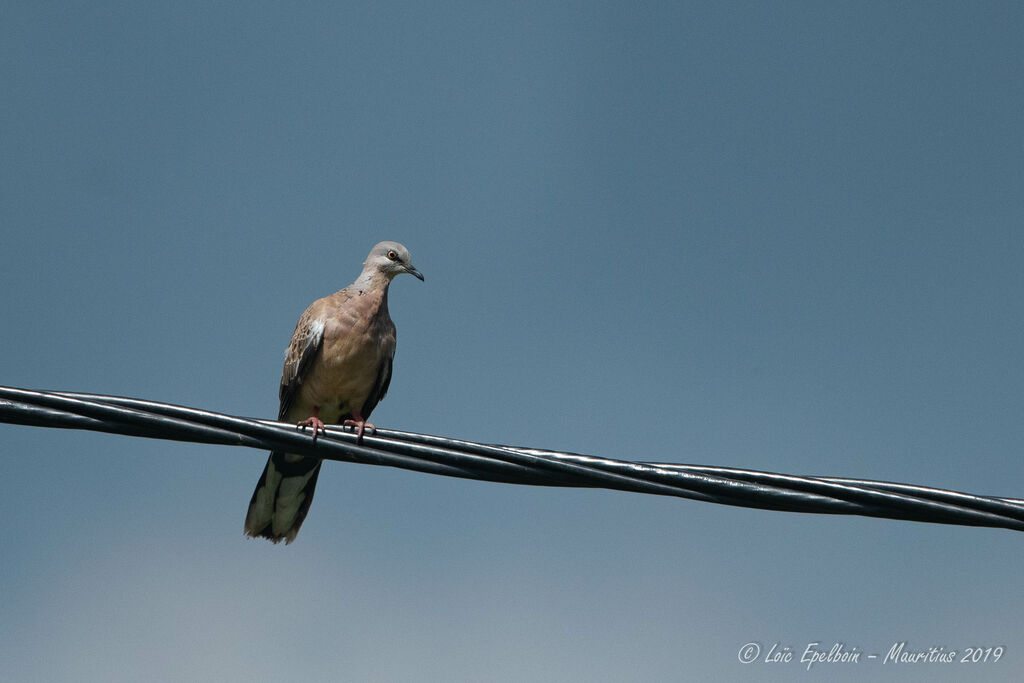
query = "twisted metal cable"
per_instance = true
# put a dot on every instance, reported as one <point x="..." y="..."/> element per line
<point x="513" y="465"/>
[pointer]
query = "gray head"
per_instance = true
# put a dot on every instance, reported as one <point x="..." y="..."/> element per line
<point x="390" y="259"/>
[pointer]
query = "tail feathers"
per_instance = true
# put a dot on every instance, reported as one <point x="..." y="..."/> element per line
<point x="282" y="497"/>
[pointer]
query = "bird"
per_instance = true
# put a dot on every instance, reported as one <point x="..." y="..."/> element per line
<point x="336" y="369"/>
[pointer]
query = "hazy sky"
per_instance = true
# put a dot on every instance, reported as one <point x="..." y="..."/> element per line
<point x="777" y="235"/>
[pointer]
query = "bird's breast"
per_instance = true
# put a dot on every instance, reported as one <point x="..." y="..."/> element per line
<point x="348" y="366"/>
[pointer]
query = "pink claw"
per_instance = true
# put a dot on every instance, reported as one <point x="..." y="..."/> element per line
<point x="359" y="424"/>
<point x="315" y="422"/>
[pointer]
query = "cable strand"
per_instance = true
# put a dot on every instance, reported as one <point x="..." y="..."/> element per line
<point x="513" y="465"/>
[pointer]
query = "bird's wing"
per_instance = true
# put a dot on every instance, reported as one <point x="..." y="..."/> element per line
<point x="307" y="340"/>
<point x="380" y="388"/>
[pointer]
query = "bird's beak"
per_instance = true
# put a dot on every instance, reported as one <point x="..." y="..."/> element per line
<point x="412" y="271"/>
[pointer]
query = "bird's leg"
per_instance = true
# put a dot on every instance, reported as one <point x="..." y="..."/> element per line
<point x="359" y="424"/>
<point x="313" y="421"/>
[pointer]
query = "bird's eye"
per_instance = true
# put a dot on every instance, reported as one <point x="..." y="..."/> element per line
<point x="392" y="255"/>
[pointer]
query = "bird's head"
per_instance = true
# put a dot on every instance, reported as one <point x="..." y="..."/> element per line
<point x="390" y="259"/>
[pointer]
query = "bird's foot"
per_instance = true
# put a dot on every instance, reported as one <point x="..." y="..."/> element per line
<point x="359" y="425"/>
<point x="316" y="423"/>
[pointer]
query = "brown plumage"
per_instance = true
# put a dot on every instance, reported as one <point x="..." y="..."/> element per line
<point x="336" y="369"/>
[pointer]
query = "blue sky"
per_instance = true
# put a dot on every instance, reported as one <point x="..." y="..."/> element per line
<point x="783" y="236"/>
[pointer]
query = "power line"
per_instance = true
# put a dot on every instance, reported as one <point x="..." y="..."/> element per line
<point x="513" y="465"/>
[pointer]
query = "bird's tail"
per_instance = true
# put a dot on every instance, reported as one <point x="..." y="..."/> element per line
<point x="282" y="497"/>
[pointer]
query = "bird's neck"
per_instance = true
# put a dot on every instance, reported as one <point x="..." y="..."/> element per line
<point x="374" y="283"/>
<point x="372" y="280"/>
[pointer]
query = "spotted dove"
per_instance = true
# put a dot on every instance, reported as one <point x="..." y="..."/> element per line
<point x="336" y="369"/>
